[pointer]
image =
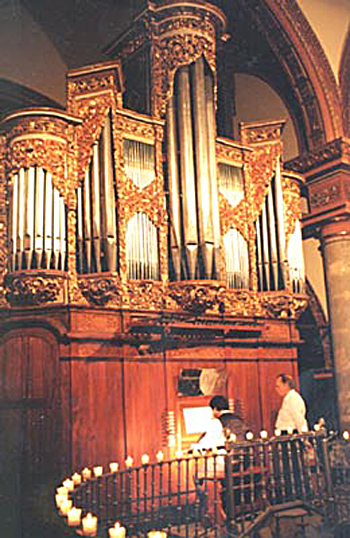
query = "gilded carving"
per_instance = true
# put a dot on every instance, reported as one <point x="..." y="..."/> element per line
<point x="283" y="305"/>
<point x="147" y="295"/>
<point x="101" y="290"/>
<point x="231" y="155"/>
<point x="325" y="194"/>
<point x="334" y="150"/>
<point x="197" y="297"/>
<point x="3" y="223"/>
<point x="292" y="208"/>
<point x="34" y="290"/>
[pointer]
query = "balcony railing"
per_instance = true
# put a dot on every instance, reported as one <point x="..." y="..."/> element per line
<point x="236" y="491"/>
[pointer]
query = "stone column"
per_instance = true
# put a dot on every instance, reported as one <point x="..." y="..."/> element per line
<point x="335" y="238"/>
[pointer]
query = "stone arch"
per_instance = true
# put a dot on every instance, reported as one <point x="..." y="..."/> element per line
<point x="344" y="78"/>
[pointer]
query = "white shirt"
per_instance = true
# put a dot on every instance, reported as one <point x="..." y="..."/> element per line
<point x="214" y="436"/>
<point x="292" y="413"/>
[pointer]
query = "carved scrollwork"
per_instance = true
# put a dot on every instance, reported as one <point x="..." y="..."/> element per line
<point x="101" y="290"/>
<point x="283" y="305"/>
<point x="33" y="290"/>
<point x="197" y="297"/>
<point x="145" y="294"/>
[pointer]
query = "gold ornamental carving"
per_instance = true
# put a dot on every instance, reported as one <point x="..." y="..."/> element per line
<point x="34" y="290"/>
<point x="101" y="290"/>
<point x="283" y="305"/>
<point x="147" y="295"/>
<point x="3" y="223"/>
<point x="197" y="297"/>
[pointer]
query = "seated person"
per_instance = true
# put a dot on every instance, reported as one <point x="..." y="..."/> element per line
<point x="223" y="420"/>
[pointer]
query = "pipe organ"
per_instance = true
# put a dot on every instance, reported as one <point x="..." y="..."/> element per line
<point x="144" y="242"/>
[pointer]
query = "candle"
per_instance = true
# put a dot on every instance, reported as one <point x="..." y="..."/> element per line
<point x="178" y="455"/>
<point x="277" y="432"/>
<point x="62" y="490"/>
<point x="263" y="434"/>
<point x="289" y="430"/>
<point x="74" y="516"/>
<point x="160" y="456"/>
<point x="65" y="506"/>
<point x="346" y="435"/>
<point x="145" y="459"/>
<point x="69" y="484"/>
<point x="117" y="531"/>
<point x="60" y="497"/>
<point x="98" y="470"/>
<point x="114" y="467"/>
<point x="76" y="479"/>
<point x="249" y="436"/>
<point x="89" y="524"/>
<point x="317" y="427"/>
<point x="129" y="461"/>
<point x="156" y="534"/>
<point x="86" y="473"/>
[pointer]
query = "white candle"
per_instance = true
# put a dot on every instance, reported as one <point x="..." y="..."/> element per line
<point x="156" y="534"/>
<point x="114" y="467"/>
<point x="277" y="432"/>
<point x="249" y="436"/>
<point x="290" y="430"/>
<point x="76" y="479"/>
<point x="60" y="497"/>
<point x="98" y="470"/>
<point x="263" y="434"/>
<point x="117" y="531"/>
<point x="160" y="456"/>
<point x="86" y="473"/>
<point x="62" y="490"/>
<point x="129" y="461"/>
<point x="69" y="484"/>
<point x="89" y="524"/>
<point x="74" y="516"/>
<point x="65" y="506"/>
<point x="346" y="435"/>
<point x="145" y="459"/>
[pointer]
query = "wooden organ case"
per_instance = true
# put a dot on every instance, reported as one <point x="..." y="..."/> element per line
<point x="136" y="243"/>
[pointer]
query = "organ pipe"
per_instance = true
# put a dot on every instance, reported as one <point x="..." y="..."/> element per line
<point x="272" y="236"/>
<point x="96" y="213"/>
<point x="203" y="185"/>
<point x="280" y="219"/>
<point x="39" y="216"/>
<point x="188" y="187"/>
<point x="174" y="194"/>
<point x="48" y="220"/>
<point x="296" y="259"/>
<point x="13" y="223"/>
<point x="142" y="252"/>
<point x="211" y="129"/>
<point x="236" y="257"/>
<point x="266" y="248"/>
<point x="109" y="230"/>
<point x="87" y="221"/>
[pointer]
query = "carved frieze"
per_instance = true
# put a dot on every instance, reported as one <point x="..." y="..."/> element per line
<point x="324" y="194"/>
<point x="283" y="305"/>
<point x="3" y="230"/>
<point x="146" y="295"/>
<point x="262" y="132"/>
<point x="101" y="290"/>
<point x="197" y="297"/>
<point x="332" y="151"/>
<point x="34" y="289"/>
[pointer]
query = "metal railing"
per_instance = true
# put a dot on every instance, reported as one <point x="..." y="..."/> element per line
<point x="234" y="492"/>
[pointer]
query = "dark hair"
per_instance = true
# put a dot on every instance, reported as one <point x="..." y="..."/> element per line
<point x="287" y="379"/>
<point x="219" y="402"/>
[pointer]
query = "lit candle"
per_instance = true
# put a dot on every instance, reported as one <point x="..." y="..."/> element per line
<point x="113" y="466"/>
<point x="317" y="427"/>
<point x="346" y="435"/>
<point x="249" y="436"/>
<point x="86" y="473"/>
<point x="160" y="456"/>
<point x="89" y="524"/>
<point x="74" y="516"/>
<point x="233" y="438"/>
<point x="98" y="470"/>
<point x="62" y="490"/>
<point x="129" y="461"/>
<point x="156" y="534"/>
<point x="65" y="506"/>
<point x="60" y="497"/>
<point x="117" y="531"/>
<point x="263" y="434"/>
<point x="277" y="432"/>
<point x="145" y="459"/>
<point x="69" y="484"/>
<point x="304" y="429"/>
<point x="76" y="479"/>
<point x="179" y="454"/>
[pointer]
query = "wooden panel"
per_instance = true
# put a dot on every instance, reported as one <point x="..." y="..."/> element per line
<point x="97" y="427"/>
<point x="145" y="405"/>
<point x="243" y="387"/>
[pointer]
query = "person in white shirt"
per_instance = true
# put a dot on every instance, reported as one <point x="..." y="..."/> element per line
<point x="291" y="417"/>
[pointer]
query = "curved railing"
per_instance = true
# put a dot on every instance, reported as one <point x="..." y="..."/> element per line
<point x="237" y="489"/>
